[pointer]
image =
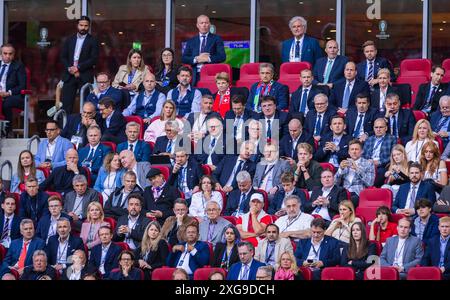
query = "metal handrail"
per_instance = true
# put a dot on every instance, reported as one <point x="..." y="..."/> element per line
<point x="9" y="164"/>
<point x="34" y="137"/>
<point x="64" y="114"/>
<point x="83" y="88"/>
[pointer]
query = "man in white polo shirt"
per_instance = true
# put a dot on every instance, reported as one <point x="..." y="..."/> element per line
<point x="295" y="225"/>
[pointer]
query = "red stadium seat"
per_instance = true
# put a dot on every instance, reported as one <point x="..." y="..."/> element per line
<point x="88" y="176"/>
<point x="208" y="75"/>
<point x="424" y="273"/>
<point x="163" y="273"/>
<point x="306" y="194"/>
<point x="290" y="74"/>
<point x="274" y="218"/>
<point x="338" y="273"/>
<point x="266" y="198"/>
<point x="224" y="199"/>
<point x="248" y="75"/>
<point x="381" y="273"/>
<point x="440" y="143"/>
<point x="306" y="272"/>
<point x="152" y="145"/>
<point x="415" y="83"/>
<point x="375" y="197"/>
<point x="416" y="67"/>
<point x="446" y="66"/>
<point x="326" y="165"/>
<point x="2" y="253"/>
<point x="111" y="145"/>
<point x="50" y="193"/>
<point x="17" y="198"/>
<point x="123" y="245"/>
<point x="164" y="170"/>
<point x="46" y="171"/>
<point x="447" y="163"/>
<point x="211" y="249"/>
<point x="100" y="198"/>
<point x="397" y="217"/>
<point x="138" y="120"/>
<point x="154" y="119"/>
<point x="206" y="170"/>
<point x="378" y="245"/>
<point x="419" y="115"/>
<point x="203" y="273"/>
<point x="231" y="219"/>
<point x="112" y="222"/>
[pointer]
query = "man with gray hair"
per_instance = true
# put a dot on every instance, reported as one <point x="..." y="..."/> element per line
<point x="39" y="269"/>
<point x="77" y="201"/>
<point x="264" y="273"/>
<point x="440" y="119"/>
<point x="172" y="141"/>
<point x="211" y="229"/>
<point x="140" y="148"/>
<point x="267" y="86"/>
<point x="295" y="224"/>
<point x="238" y="199"/>
<point x="140" y="169"/>
<point x="301" y="47"/>
<point x="318" y="120"/>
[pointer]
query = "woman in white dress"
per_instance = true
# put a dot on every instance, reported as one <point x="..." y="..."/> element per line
<point x="421" y="135"/>
<point x="206" y="193"/>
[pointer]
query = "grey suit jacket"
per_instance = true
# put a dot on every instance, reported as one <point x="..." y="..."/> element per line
<point x="280" y="167"/>
<point x="218" y="230"/>
<point x="411" y="255"/>
<point x="142" y="169"/>
<point x="69" y="200"/>
<point x="282" y="245"/>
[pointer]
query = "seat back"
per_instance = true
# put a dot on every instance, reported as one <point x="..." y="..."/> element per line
<point x="88" y="176"/>
<point x="138" y="120"/>
<point x="327" y="165"/>
<point x="266" y="199"/>
<point x="164" y="170"/>
<point x="290" y="74"/>
<point x="203" y="273"/>
<point x="2" y="253"/>
<point x="46" y="171"/>
<point x="416" y="67"/>
<point x="419" y="115"/>
<point x="208" y="75"/>
<point x="375" y="197"/>
<point x="424" y="273"/>
<point x="338" y="273"/>
<point x="440" y="142"/>
<point x="231" y="219"/>
<point x="446" y="66"/>
<point x="248" y="75"/>
<point x="111" y="145"/>
<point x="163" y="273"/>
<point x="306" y="272"/>
<point x="414" y="82"/>
<point x="381" y="273"/>
<point x="404" y="91"/>
<point x="206" y="169"/>
<point x="112" y="222"/>
<point x="124" y="246"/>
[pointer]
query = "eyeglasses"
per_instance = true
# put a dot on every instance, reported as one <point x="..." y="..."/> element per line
<point x="51" y="129"/>
<point x="212" y="209"/>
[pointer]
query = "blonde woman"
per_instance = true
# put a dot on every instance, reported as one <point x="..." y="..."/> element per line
<point x="287" y="269"/>
<point x="153" y="251"/>
<point x="157" y="127"/>
<point x="432" y="164"/>
<point x="421" y="135"/>
<point x="397" y="172"/>
<point x="131" y="75"/>
<point x="109" y="176"/>
<point x="340" y="227"/>
<point x="89" y="229"/>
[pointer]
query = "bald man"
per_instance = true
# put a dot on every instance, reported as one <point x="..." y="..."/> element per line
<point x="330" y="69"/>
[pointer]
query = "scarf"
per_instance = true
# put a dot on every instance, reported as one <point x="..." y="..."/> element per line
<point x="282" y="274"/>
<point x="224" y="106"/>
<point x="262" y="89"/>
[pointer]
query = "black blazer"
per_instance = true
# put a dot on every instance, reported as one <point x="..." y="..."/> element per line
<point x="60" y="180"/>
<point x="134" y="274"/>
<point x="359" y="265"/>
<point x="380" y="63"/>
<point x="225" y="168"/>
<point x="162" y="141"/>
<point x="44" y="225"/>
<point x="422" y="96"/>
<point x="164" y="203"/>
<point x="338" y="90"/>
<point x="219" y="251"/>
<point x="116" y="127"/>
<point x="35" y="208"/>
<point x="286" y="144"/>
<point x="193" y="174"/>
<point x="137" y="233"/>
<point x="111" y="259"/>
<point x="375" y="97"/>
<point x="16" y="79"/>
<point x="171" y="77"/>
<point x="336" y="195"/>
<point x="233" y="199"/>
<point x="310" y="121"/>
<point x="88" y="269"/>
<point x="75" y="243"/>
<point x="192" y="115"/>
<point x="405" y="124"/>
<point x="351" y="120"/>
<point x="283" y="118"/>
<point x="156" y="259"/>
<point x="15" y="225"/>
<point x="277" y="201"/>
<point x="322" y="155"/>
<point x="118" y="211"/>
<point x="88" y="57"/>
<point x="296" y="98"/>
<point x="74" y="126"/>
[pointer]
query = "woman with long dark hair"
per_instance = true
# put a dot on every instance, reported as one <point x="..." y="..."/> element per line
<point x="131" y="75"/>
<point x="226" y="252"/>
<point x="26" y="167"/>
<point x="166" y="74"/>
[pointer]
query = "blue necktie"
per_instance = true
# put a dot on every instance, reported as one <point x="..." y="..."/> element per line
<point x="394" y="126"/>
<point x="358" y="126"/>
<point x="181" y="178"/>
<point x="203" y="46"/>
<point x="318" y="125"/>
<point x="297" y="49"/>
<point x="304" y="100"/>
<point x="430" y="98"/>
<point x="238" y="169"/>
<point x="3" y="71"/>
<point x="269" y="130"/>
<point x="91" y="155"/>
<point x="236" y="124"/>
<point x="213" y="143"/>
<point x="169" y="146"/>
<point x="442" y="123"/>
<point x="370" y="73"/>
<point x="346" y="96"/>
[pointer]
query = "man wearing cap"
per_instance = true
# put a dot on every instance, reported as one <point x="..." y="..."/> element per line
<point x="159" y="197"/>
<point x="253" y="224"/>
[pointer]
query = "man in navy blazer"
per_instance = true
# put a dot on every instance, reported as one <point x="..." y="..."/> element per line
<point x="288" y="188"/>
<point x="33" y="203"/>
<point x="343" y="94"/>
<point x="94" y="153"/>
<point x="248" y="266"/>
<point x="15" y="82"/>
<point x="78" y="62"/>
<point x="289" y="142"/>
<point x="140" y="148"/>
<point x="113" y="122"/>
<point x="231" y="165"/>
<point x="433" y="255"/>
<point x="410" y="192"/>
<point x="203" y="48"/>
<point x="368" y="68"/>
<point x="301" y="47"/>
<point x="425" y="224"/>
<point x="267" y="86"/>
<point x="427" y="98"/>
<point x="329" y="69"/>
<point x="359" y="119"/>
<point x="105" y="256"/>
<point x="440" y="119"/>
<point x="302" y="100"/>
<point x="171" y="142"/>
<point x="211" y="149"/>
<point x="320" y="251"/>
<point x="238" y="200"/>
<point x="275" y="121"/>
<point x="185" y="174"/>
<point x="104" y="89"/>
<point x="317" y="122"/>
<point x="47" y="225"/>
<point x="15" y="250"/>
<point x="62" y="245"/>
<point x="9" y="222"/>
<point x="191" y="254"/>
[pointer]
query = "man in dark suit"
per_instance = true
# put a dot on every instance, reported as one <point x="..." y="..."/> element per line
<point x="92" y="155"/>
<point x="288" y="144"/>
<point x="275" y="121"/>
<point x="33" y="203"/>
<point x="425" y="224"/>
<point x="113" y="122"/>
<point x="440" y="119"/>
<point x="427" y="98"/>
<point x="301" y="47"/>
<point x="318" y="252"/>
<point x="329" y="69"/>
<point x="171" y="142"/>
<point x="401" y="120"/>
<point x="368" y="69"/>
<point x="185" y="174"/>
<point x="9" y="222"/>
<point x="140" y="148"/>
<point x="408" y="193"/>
<point x="13" y="79"/>
<point x="79" y="56"/>
<point x="231" y="165"/>
<point x="62" y="245"/>
<point x="379" y="92"/>
<point x="159" y="197"/>
<point x="267" y="86"/>
<point x="105" y="256"/>
<point x="18" y="257"/>
<point x="359" y="119"/>
<point x="248" y="266"/>
<point x="317" y="122"/>
<point x="333" y="147"/>
<point x="302" y="100"/>
<point x="197" y="120"/>
<point x="434" y="256"/>
<point x="104" y="89"/>
<point x="48" y="223"/>
<point x="131" y="227"/>
<point x="288" y="189"/>
<point x="77" y="125"/>
<point x="238" y="200"/>
<point x="211" y="149"/>
<point x="203" y="49"/>
<point x="343" y="94"/>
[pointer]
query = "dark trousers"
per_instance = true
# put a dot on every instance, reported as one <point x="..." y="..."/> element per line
<point x="8" y="104"/>
<point x="69" y="92"/>
<point x="379" y="176"/>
